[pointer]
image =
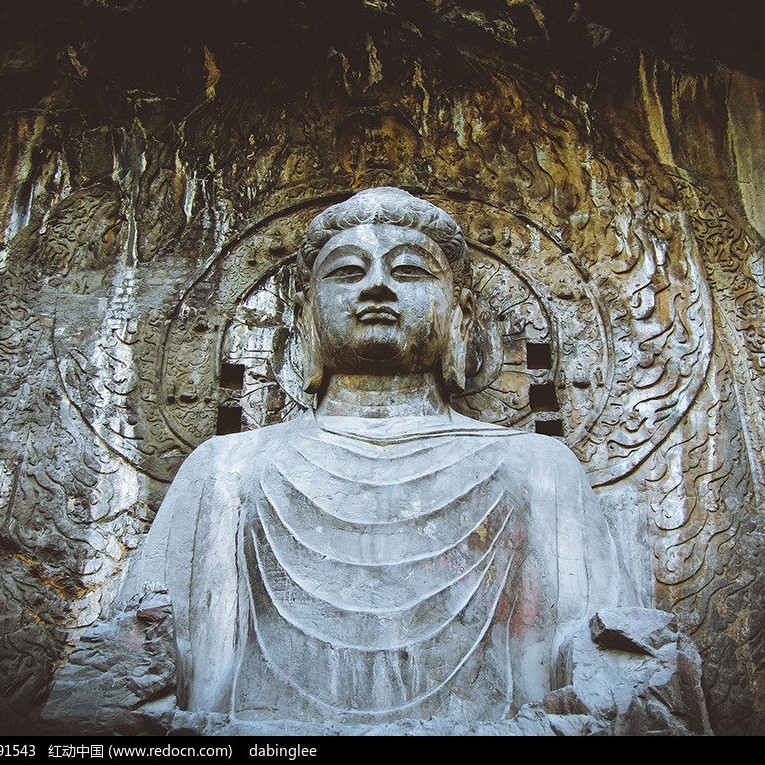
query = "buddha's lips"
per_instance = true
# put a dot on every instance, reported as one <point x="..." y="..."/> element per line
<point x="378" y="313"/>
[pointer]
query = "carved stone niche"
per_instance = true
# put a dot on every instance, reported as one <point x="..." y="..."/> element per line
<point x="332" y="571"/>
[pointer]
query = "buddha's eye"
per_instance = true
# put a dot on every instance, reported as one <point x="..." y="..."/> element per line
<point x="408" y="271"/>
<point x="349" y="273"/>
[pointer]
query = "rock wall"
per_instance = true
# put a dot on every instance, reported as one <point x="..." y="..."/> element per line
<point x="161" y="159"/>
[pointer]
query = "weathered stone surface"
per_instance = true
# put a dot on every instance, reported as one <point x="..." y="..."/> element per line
<point x="121" y="677"/>
<point x="382" y="561"/>
<point x="597" y="157"/>
<point x="634" y="630"/>
<point x="637" y="673"/>
<point x="613" y="691"/>
<point x="380" y="557"/>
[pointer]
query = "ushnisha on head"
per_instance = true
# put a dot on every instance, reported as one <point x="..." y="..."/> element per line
<point x="384" y="291"/>
<point x="397" y="207"/>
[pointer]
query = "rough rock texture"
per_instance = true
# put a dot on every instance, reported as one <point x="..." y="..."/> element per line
<point x="158" y="162"/>
<point x="120" y="679"/>
<point x="364" y="572"/>
<point x="610" y="690"/>
<point x="636" y="670"/>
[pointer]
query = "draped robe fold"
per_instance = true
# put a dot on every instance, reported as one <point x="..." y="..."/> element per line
<point x="324" y="574"/>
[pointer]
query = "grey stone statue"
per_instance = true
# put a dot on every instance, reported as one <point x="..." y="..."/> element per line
<point x="382" y="563"/>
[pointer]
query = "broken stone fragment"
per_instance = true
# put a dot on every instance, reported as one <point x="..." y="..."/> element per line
<point x="120" y="678"/>
<point x="639" y="630"/>
<point x="636" y="671"/>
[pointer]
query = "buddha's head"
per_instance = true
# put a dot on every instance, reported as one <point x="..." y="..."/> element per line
<point x="384" y="281"/>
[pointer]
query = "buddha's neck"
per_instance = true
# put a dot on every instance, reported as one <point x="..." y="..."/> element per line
<point x="411" y="395"/>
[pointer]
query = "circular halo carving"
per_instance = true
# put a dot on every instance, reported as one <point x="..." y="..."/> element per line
<point x="606" y="350"/>
<point x="563" y="350"/>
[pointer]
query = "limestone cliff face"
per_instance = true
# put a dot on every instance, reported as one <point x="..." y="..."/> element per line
<point x="158" y="166"/>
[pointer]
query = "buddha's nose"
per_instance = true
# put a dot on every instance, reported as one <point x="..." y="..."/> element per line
<point x="378" y="285"/>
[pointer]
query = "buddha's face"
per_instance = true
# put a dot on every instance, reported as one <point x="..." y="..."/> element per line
<point x="382" y="298"/>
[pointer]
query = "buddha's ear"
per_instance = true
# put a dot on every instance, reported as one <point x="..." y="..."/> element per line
<point x="454" y="361"/>
<point x="311" y="367"/>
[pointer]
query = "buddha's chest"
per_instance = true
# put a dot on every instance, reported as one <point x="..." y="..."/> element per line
<point x="386" y="571"/>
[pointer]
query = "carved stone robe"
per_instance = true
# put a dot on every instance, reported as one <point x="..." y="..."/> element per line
<point x="404" y="570"/>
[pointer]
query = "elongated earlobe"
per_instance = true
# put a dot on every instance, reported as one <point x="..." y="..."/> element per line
<point x="311" y="367"/>
<point x="454" y="360"/>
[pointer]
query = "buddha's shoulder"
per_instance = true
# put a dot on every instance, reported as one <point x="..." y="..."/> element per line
<point x="239" y="448"/>
<point x="517" y="443"/>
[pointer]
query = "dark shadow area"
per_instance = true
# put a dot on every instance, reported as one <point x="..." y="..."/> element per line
<point x="549" y="427"/>
<point x="538" y="356"/>
<point x="229" y="420"/>
<point x="543" y="398"/>
<point x="232" y="376"/>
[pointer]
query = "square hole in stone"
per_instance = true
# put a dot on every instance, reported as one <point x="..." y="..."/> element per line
<point x="232" y="376"/>
<point x="542" y="398"/>
<point x="229" y="420"/>
<point x="549" y="427"/>
<point x="538" y="356"/>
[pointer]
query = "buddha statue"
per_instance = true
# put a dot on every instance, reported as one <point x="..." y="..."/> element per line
<point x="383" y="558"/>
